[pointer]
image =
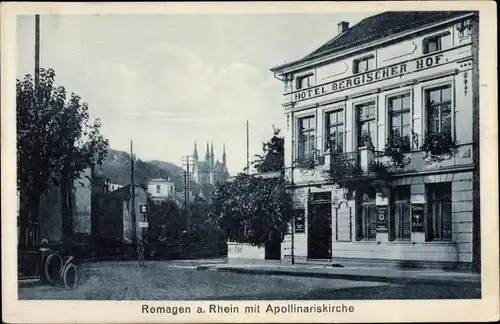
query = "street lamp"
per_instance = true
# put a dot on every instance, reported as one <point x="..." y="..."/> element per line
<point x="289" y="191"/>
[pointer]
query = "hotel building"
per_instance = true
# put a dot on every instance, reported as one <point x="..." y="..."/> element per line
<point x="403" y="75"/>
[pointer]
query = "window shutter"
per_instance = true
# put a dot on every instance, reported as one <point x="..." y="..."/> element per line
<point x="381" y="122"/>
<point x="297" y="83"/>
<point x="349" y="114"/>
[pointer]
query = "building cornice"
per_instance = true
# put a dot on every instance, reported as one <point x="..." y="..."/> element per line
<point x="306" y="62"/>
<point x="451" y="169"/>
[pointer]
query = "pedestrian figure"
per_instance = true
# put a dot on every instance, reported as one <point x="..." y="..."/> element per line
<point x="140" y="252"/>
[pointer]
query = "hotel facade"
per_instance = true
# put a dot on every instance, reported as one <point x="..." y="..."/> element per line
<point x="395" y="82"/>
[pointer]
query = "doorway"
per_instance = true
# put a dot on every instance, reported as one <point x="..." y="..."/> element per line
<point x="272" y="248"/>
<point x="319" y="234"/>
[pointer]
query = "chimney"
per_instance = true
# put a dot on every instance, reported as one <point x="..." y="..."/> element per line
<point x="342" y="27"/>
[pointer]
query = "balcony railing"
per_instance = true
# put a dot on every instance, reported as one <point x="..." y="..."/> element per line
<point x="344" y="165"/>
<point x="364" y="164"/>
<point x="308" y="159"/>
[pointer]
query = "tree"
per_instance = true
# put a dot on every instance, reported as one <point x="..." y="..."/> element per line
<point x="35" y="114"/>
<point x="166" y="223"/>
<point x="252" y="209"/>
<point x="273" y="154"/>
<point x="55" y="142"/>
<point x="203" y="228"/>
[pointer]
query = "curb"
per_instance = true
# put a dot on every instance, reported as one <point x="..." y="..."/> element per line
<point x="357" y="277"/>
<point x="27" y="283"/>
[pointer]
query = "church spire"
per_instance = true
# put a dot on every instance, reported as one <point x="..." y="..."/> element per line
<point x="207" y="156"/>
<point x="195" y="154"/>
<point x="212" y="154"/>
<point x="224" y="154"/>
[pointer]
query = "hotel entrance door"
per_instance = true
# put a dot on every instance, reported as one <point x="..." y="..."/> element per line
<point x="319" y="231"/>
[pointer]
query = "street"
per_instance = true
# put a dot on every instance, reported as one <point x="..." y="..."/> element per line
<point x="170" y="280"/>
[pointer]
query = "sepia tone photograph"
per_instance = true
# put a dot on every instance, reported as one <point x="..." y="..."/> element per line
<point x="318" y="158"/>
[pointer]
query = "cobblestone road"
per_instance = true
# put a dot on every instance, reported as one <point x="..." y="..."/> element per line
<point x="181" y="281"/>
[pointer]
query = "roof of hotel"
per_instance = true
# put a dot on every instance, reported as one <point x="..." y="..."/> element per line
<point x="377" y="27"/>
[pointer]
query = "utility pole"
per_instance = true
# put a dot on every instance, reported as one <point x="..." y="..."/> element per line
<point x="29" y="219"/>
<point x="187" y="185"/>
<point x="37" y="52"/>
<point x="132" y="195"/>
<point x="248" y="144"/>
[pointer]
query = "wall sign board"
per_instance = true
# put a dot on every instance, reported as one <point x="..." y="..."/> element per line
<point x="369" y="77"/>
<point x="417" y="217"/>
<point x="343" y="225"/>
<point x="299" y="221"/>
<point x="381" y="219"/>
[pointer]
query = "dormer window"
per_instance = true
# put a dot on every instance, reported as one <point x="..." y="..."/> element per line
<point x="436" y="43"/>
<point x="304" y="81"/>
<point x="364" y="64"/>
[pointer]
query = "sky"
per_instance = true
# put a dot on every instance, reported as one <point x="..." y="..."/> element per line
<point x="168" y="81"/>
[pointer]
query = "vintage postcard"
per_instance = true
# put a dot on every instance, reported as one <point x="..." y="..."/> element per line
<point x="249" y="162"/>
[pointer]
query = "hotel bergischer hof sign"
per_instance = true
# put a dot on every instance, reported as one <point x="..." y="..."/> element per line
<point x="385" y="73"/>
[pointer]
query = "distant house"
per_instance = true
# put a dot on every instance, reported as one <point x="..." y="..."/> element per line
<point x="161" y="189"/>
<point x="113" y="185"/>
<point x="116" y="222"/>
<point x="82" y="215"/>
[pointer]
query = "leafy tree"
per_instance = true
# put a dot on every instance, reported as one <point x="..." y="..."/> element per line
<point x="252" y="209"/>
<point x="56" y="142"/>
<point x="273" y="156"/>
<point x="203" y="228"/>
<point x="166" y="223"/>
<point x="36" y="140"/>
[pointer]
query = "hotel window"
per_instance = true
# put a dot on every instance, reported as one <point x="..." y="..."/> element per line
<point x="439" y="211"/>
<point x="157" y="188"/>
<point x="438" y="107"/>
<point x="400" y="213"/>
<point x="306" y="136"/>
<point x="304" y="81"/>
<point x="364" y="64"/>
<point x="399" y="114"/>
<point x="335" y="130"/>
<point x="367" y="215"/>
<point x="366" y="123"/>
<point x="436" y="43"/>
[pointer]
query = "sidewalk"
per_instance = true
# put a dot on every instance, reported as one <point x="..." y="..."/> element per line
<point x="390" y="275"/>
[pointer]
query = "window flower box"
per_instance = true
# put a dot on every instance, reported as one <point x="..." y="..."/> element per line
<point x="438" y="147"/>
